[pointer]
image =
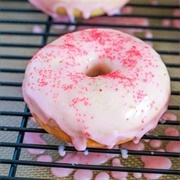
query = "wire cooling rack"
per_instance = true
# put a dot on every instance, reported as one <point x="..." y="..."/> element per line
<point x="18" y="43"/>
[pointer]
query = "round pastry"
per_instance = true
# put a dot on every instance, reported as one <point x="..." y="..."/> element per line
<point x="79" y="8"/>
<point x="97" y="88"/>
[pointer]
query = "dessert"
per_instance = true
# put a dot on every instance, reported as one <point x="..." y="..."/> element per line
<point x="97" y="88"/>
<point x="79" y="8"/>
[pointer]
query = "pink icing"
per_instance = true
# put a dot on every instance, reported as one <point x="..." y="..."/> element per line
<point x="109" y="7"/>
<point x="127" y="10"/>
<point x="34" y="138"/>
<point x="154" y="2"/>
<point x="176" y="22"/>
<point x="44" y="158"/>
<point x="155" y="162"/>
<point x="80" y="158"/>
<point x="171" y="132"/>
<point x="169" y="116"/>
<point x="83" y="175"/>
<point x="58" y="76"/>
<point x="102" y="176"/>
<point x="132" y="146"/>
<point x="155" y="144"/>
<point x="173" y="146"/>
<point x="63" y="172"/>
<point x="118" y="175"/>
<point x="166" y="22"/>
<point x="146" y="140"/>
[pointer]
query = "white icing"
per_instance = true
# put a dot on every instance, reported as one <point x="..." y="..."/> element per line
<point x="124" y="153"/>
<point x="107" y="108"/>
<point x="61" y="150"/>
<point x="86" y="152"/>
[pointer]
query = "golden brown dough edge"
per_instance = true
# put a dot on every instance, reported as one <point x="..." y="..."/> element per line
<point x="78" y="13"/>
<point x="53" y="128"/>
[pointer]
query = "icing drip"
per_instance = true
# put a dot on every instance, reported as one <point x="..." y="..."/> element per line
<point x="118" y="175"/>
<point x="102" y="176"/>
<point x="34" y="138"/>
<point x="83" y="175"/>
<point x="155" y="144"/>
<point x="124" y="153"/>
<point x="61" y="150"/>
<point x="173" y="23"/>
<point x="44" y="158"/>
<point x="155" y="162"/>
<point x="86" y="152"/>
<point x="109" y="7"/>
<point x="171" y="132"/>
<point x="176" y="22"/>
<point x="154" y="2"/>
<point x="173" y="146"/>
<point x="133" y="146"/>
<point x="80" y="158"/>
<point x="169" y="117"/>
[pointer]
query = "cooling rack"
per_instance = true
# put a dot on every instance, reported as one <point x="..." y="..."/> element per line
<point x="18" y="43"/>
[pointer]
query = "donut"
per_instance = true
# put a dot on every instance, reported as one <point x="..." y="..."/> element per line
<point x="97" y="88"/>
<point x="79" y="8"/>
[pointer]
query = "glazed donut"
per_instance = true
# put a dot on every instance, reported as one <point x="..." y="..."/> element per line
<point x="97" y="88"/>
<point x="79" y="8"/>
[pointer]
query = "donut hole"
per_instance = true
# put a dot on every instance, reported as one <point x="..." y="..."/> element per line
<point x="98" y="70"/>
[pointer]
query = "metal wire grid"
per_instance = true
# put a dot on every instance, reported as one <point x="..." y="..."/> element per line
<point x="18" y="145"/>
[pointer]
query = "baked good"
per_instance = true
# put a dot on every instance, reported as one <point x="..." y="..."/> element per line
<point x="79" y="8"/>
<point x="97" y="88"/>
